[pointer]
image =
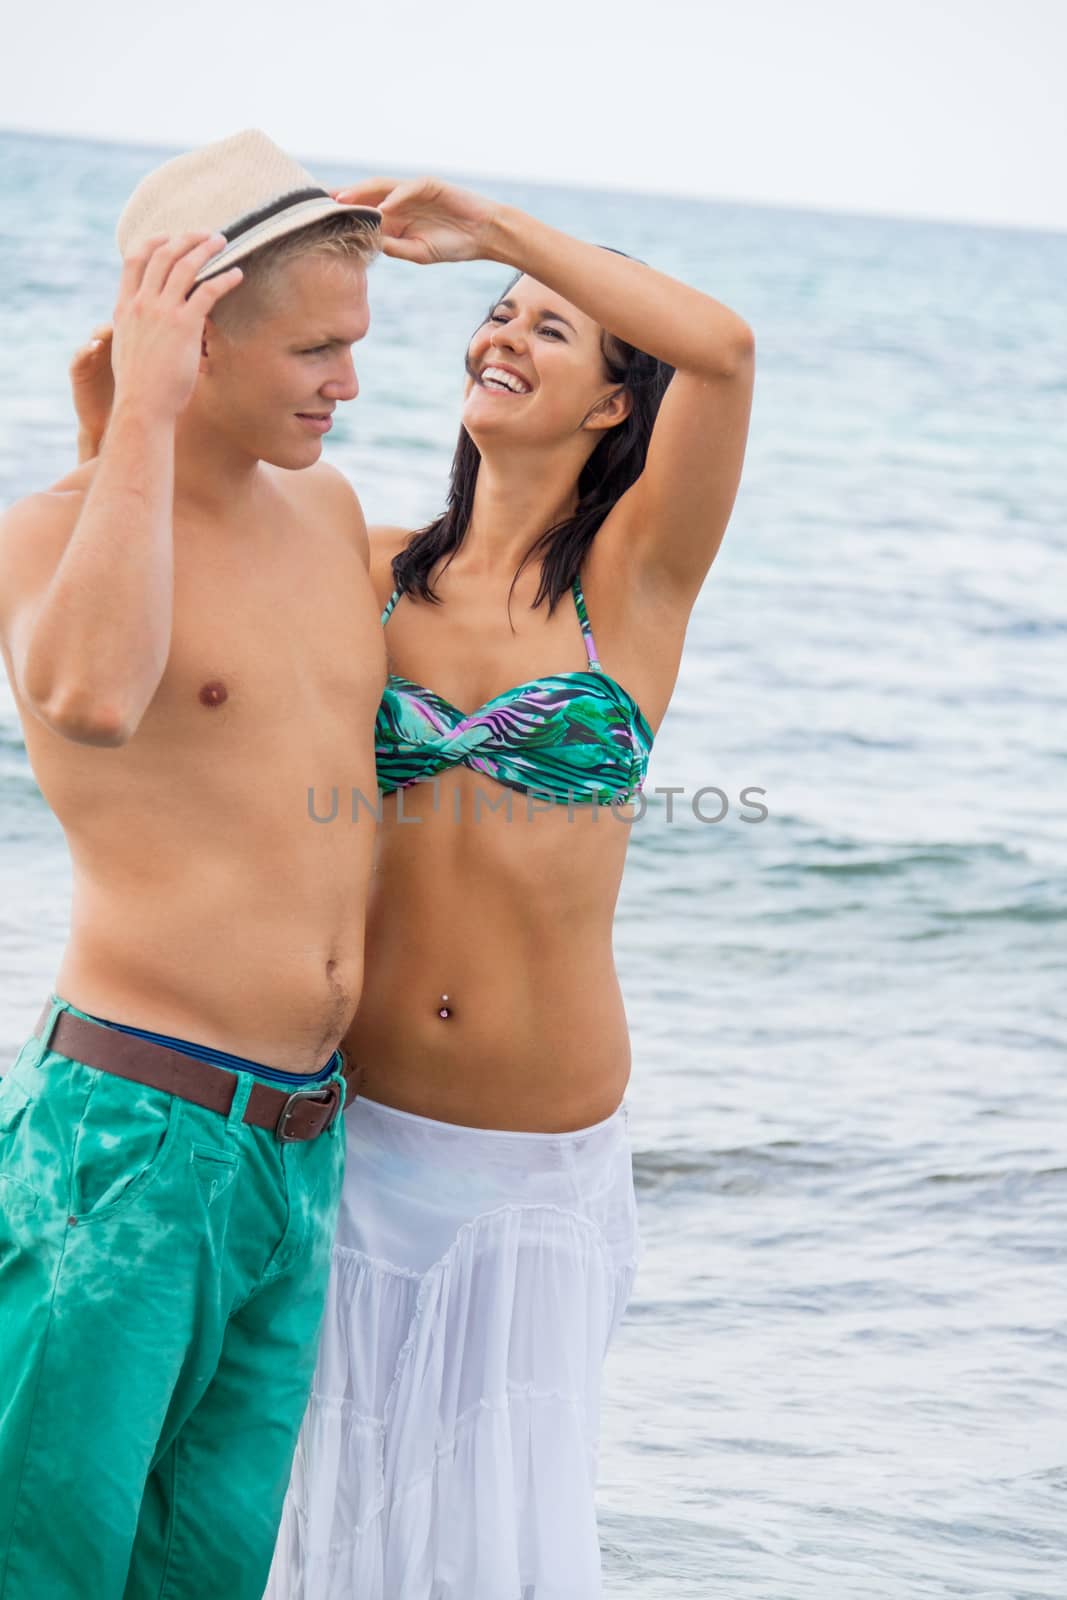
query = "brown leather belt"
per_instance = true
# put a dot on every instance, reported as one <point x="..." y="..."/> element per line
<point x="290" y="1114"/>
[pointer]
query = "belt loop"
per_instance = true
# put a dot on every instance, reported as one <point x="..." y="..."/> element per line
<point x="337" y="1125"/>
<point x="242" y="1088"/>
<point x="44" y="1041"/>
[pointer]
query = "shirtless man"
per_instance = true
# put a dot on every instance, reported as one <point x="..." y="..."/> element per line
<point x="193" y="644"/>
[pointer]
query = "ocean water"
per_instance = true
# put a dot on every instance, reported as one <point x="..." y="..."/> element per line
<point x="844" y="1371"/>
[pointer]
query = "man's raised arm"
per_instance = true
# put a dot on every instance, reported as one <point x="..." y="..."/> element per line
<point x="86" y="611"/>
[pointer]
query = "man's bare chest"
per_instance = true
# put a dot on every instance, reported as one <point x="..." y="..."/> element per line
<point x="257" y="650"/>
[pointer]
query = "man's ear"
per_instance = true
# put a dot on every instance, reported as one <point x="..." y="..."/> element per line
<point x="610" y="411"/>
<point x="209" y="339"/>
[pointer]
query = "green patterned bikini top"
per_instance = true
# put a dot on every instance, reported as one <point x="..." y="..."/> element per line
<point x="569" y="737"/>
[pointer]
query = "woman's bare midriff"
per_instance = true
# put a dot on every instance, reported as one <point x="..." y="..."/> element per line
<point x="490" y="996"/>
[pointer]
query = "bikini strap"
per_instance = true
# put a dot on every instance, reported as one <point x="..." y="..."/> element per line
<point x="391" y="607"/>
<point x="587" y="632"/>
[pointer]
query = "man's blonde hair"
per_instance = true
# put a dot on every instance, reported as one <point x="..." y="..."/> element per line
<point x="343" y="239"/>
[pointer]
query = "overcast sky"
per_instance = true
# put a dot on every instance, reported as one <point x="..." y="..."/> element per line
<point x="941" y="108"/>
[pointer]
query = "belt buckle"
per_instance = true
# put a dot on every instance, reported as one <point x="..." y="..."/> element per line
<point x="330" y="1095"/>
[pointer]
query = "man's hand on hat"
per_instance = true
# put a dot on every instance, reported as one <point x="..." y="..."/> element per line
<point x="159" y="321"/>
<point x="425" y="220"/>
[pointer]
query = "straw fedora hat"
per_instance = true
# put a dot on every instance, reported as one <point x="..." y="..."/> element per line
<point x="243" y="187"/>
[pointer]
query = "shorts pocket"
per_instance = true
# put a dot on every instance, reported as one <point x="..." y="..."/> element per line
<point x="15" y="1192"/>
<point x="16" y="1196"/>
<point x="125" y="1137"/>
<point x="214" y="1171"/>
<point x="14" y="1099"/>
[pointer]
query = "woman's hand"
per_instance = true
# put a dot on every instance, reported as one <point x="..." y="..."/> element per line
<point x="92" y="386"/>
<point x="425" y="220"/>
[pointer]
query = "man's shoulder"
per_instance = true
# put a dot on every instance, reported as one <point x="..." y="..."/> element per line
<point x="34" y="534"/>
<point x="53" y="511"/>
<point x="319" y="483"/>
<point x="324" y="494"/>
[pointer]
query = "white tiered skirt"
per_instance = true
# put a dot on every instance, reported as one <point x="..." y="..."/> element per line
<point x="449" y="1450"/>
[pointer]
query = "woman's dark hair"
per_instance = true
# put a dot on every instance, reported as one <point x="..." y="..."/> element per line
<point x="617" y="462"/>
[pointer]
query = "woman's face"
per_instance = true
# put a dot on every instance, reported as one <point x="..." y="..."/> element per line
<point x="538" y="370"/>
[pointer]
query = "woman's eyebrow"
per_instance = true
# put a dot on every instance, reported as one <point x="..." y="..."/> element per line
<point x="544" y="316"/>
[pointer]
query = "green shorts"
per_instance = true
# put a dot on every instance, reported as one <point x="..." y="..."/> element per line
<point x="163" y="1270"/>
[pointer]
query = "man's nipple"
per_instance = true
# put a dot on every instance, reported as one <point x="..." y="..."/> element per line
<point x="214" y="693"/>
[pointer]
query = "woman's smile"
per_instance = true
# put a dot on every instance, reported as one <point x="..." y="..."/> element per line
<point x="496" y="376"/>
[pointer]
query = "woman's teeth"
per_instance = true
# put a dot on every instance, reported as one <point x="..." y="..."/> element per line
<point x="497" y="378"/>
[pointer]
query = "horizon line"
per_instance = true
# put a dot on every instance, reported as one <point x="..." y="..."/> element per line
<point x="811" y="208"/>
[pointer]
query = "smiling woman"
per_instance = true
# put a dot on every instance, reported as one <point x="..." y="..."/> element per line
<point x="622" y="423"/>
<point x="488" y="1239"/>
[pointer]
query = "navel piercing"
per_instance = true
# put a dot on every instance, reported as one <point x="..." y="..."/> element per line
<point x="445" y="1009"/>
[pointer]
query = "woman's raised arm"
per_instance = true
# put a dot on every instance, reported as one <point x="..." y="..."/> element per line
<point x="671" y="522"/>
